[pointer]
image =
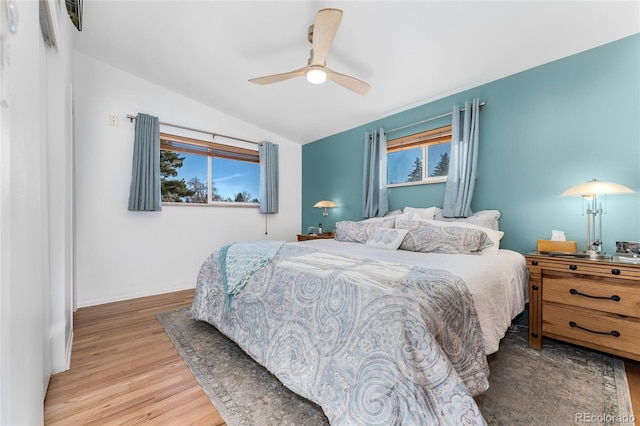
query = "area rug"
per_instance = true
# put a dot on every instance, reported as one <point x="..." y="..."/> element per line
<point x="560" y="385"/>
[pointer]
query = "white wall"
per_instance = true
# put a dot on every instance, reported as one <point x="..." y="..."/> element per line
<point x="122" y="254"/>
<point x="31" y="75"/>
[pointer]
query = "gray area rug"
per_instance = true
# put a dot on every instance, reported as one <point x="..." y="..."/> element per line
<point x="561" y="385"/>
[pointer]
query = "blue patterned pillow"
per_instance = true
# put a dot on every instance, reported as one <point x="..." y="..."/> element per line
<point x="426" y="237"/>
<point x="387" y="238"/>
<point x="359" y="232"/>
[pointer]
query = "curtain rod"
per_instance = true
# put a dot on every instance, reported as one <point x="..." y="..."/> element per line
<point x="425" y="121"/>
<point x="133" y="117"/>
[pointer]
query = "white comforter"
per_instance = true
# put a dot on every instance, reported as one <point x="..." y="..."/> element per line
<point x="497" y="283"/>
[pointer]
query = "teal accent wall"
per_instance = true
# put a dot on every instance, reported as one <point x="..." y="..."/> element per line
<point x="542" y="131"/>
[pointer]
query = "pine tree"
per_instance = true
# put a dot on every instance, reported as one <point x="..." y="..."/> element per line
<point x="172" y="189"/>
<point x="243" y="197"/>
<point x="442" y="168"/>
<point x="416" y="173"/>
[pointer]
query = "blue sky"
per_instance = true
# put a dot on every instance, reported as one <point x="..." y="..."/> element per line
<point x="229" y="176"/>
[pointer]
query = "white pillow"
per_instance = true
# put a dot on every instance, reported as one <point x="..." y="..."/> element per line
<point x="486" y="218"/>
<point x="375" y="219"/>
<point x="494" y="236"/>
<point x="395" y="218"/>
<point x="386" y="238"/>
<point x="424" y="213"/>
<point x="393" y="213"/>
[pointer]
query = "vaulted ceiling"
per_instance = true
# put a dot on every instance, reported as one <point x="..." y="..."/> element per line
<point x="410" y="52"/>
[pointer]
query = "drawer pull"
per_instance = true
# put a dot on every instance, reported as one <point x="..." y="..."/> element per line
<point x="535" y="287"/>
<point x="613" y="333"/>
<point x="573" y="267"/>
<point x="534" y="262"/>
<point x="615" y="271"/>
<point x="615" y="297"/>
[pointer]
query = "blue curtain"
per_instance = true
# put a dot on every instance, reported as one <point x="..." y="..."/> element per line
<point x="374" y="182"/>
<point x="144" y="192"/>
<point x="268" y="177"/>
<point x="463" y="160"/>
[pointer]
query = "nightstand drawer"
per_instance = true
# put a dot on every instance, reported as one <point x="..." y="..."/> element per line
<point x="583" y="266"/>
<point x="592" y="292"/>
<point x="606" y="330"/>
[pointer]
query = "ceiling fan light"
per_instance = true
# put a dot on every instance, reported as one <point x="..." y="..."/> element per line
<point x="316" y="75"/>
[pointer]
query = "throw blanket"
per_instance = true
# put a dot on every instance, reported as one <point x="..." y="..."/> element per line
<point x="371" y="342"/>
<point x="239" y="261"/>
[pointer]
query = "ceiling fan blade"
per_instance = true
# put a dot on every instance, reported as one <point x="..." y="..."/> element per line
<point x="348" y="82"/>
<point x="324" y="31"/>
<point x="275" y="78"/>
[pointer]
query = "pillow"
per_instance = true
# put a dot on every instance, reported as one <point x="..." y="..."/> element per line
<point x="427" y="237"/>
<point x="387" y="238"/>
<point x="494" y="236"/>
<point x="375" y="219"/>
<point x="393" y="213"/>
<point x="428" y="213"/>
<point x="486" y="218"/>
<point x="359" y="232"/>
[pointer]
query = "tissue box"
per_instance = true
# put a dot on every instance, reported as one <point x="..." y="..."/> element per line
<point x="550" y="245"/>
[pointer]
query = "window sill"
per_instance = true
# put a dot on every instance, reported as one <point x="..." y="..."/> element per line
<point x="422" y="182"/>
<point x="214" y="204"/>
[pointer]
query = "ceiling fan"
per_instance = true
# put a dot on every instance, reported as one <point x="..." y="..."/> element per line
<point x="321" y="35"/>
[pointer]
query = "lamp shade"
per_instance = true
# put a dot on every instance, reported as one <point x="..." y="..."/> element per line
<point x="597" y="187"/>
<point x="325" y="204"/>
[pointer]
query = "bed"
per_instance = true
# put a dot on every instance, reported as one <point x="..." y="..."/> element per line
<point x="373" y="336"/>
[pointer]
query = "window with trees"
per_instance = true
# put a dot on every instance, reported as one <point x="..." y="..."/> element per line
<point x="197" y="171"/>
<point x="408" y="155"/>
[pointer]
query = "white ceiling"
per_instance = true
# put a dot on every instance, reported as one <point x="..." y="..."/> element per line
<point x="410" y="52"/>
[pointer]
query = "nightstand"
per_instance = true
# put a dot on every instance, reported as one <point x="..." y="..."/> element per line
<point x="323" y="236"/>
<point x="591" y="303"/>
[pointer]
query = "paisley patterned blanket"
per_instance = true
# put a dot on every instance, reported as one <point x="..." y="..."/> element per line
<point x="372" y="343"/>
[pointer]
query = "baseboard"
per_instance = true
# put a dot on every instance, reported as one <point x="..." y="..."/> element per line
<point x="94" y="302"/>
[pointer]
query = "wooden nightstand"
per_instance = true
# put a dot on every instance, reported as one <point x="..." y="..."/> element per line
<point x="323" y="236"/>
<point x="592" y="303"/>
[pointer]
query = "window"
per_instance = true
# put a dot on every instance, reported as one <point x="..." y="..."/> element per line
<point x="196" y="171"/>
<point x="407" y="155"/>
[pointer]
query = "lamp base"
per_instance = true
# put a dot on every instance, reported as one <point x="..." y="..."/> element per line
<point x="597" y="255"/>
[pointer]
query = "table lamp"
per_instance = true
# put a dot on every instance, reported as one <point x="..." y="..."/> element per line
<point x="324" y="205"/>
<point x="590" y="191"/>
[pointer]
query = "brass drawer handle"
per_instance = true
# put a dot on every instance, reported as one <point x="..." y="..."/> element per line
<point x="615" y="297"/>
<point x="613" y="333"/>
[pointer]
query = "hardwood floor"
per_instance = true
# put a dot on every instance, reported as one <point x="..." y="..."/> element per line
<point x="125" y="371"/>
<point x="633" y="377"/>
